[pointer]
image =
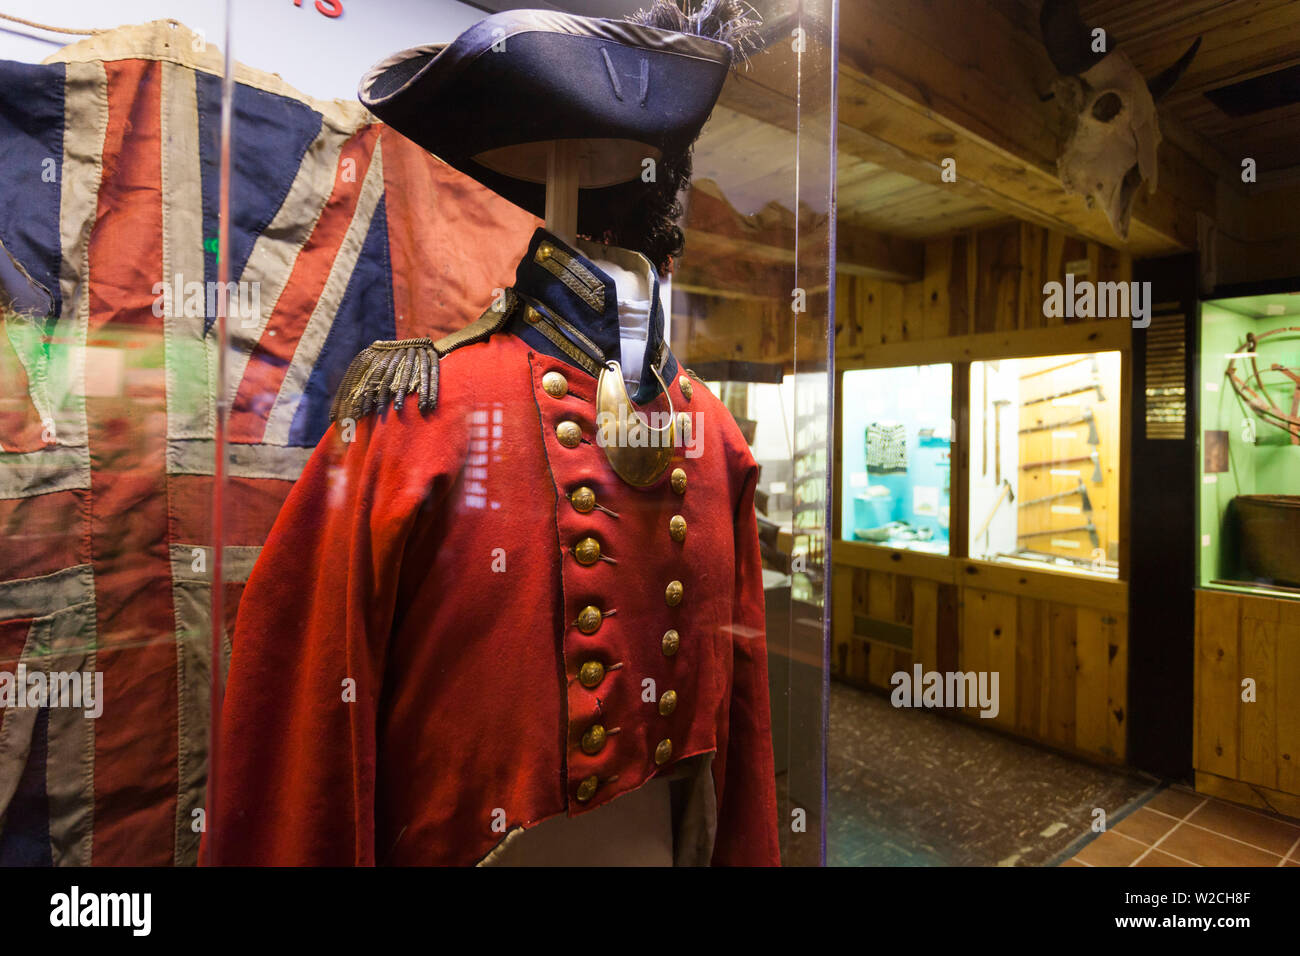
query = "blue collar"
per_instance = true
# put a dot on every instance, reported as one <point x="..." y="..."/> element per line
<point x="579" y="302"/>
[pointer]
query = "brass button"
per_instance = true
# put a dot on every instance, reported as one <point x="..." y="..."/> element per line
<point x="679" y="481"/>
<point x="587" y="789"/>
<point x="673" y="593"/>
<point x="589" y="619"/>
<point x="667" y="702"/>
<point x="583" y="500"/>
<point x="664" y="752"/>
<point x="672" y="640"/>
<point x="532" y="316"/>
<point x="569" y="434"/>
<point x="593" y="741"/>
<point x="544" y="251"/>
<point x="686" y="387"/>
<point x="591" y="674"/>
<point x="677" y="528"/>
<point x="555" y="384"/>
<point x="587" y="551"/>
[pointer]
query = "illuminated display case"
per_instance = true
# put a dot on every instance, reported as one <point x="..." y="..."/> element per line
<point x="896" y="476"/>
<point x="1250" y="444"/>
<point x="206" y="240"/>
<point x="1045" y="462"/>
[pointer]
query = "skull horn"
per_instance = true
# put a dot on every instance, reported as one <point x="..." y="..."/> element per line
<point x="1163" y="82"/>
<point x="1067" y="38"/>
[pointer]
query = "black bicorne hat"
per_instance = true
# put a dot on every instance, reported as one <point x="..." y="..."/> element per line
<point x="491" y="101"/>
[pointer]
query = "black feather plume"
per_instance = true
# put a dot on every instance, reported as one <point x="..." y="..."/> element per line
<point x="733" y="22"/>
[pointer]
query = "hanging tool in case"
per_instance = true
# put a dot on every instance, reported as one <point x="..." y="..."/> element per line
<point x="998" y="405"/>
<point x="1007" y="493"/>
<point x="1086" y="418"/>
<point x="1077" y="459"/>
<point x="1089" y="527"/>
<point x="1078" y="390"/>
<point x="1085" y="503"/>
<point x="1056" y="368"/>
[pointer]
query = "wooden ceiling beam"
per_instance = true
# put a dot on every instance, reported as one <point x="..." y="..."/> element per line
<point x="963" y="79"/>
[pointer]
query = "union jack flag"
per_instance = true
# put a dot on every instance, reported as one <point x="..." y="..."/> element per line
<point x="341" y="232"/>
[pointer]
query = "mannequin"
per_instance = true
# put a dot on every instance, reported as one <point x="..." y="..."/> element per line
<point x="595" y="693"/>
<point x="564" y="164"/>
<point x="637" y="829"/>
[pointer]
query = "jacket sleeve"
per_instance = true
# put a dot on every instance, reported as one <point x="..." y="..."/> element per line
<point x="293" y="776"/>
<point x="747" y="834"/>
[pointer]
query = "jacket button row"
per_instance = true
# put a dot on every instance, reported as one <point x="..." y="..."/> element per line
<point x="569" y="434"/>
<point x="589" y="619"/>
<point x="593" y="741"/>
<point x="583" y="500"/>
<point x="587" y="551"/>
<point x="555" y="385"/>
<point x="591" y="674"/>
<point x="664" y="752"/>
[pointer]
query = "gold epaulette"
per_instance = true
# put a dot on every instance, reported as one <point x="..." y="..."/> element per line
<point x="387" y="371"/>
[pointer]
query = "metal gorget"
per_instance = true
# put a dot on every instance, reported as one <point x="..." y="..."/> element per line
<point x="638" y="452"/>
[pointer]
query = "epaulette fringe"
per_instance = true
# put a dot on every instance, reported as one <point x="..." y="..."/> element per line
<point x="385" y="372"/>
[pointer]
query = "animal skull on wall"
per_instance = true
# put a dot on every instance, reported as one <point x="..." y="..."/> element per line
<point x="1111" y="149"/>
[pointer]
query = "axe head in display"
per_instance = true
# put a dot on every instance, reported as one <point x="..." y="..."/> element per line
<point x="1093" y="438"/>
<point x="1096" y="467"/>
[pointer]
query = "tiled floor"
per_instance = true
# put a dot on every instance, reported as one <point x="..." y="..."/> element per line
<point x="912" y="788"/>
<point x="1178" y="827"/>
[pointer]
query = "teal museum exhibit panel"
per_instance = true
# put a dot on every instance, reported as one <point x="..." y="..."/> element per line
<point x="897" y="448"/>
<point x="1250" y="444"/>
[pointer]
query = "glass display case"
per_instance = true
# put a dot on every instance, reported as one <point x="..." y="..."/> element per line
<point x="790" y="496"/>
<point x="1045" y="462"/>
<point x="1250" y="444"/>
<point x="896" y="442"/>
<point x="191" y="432"/>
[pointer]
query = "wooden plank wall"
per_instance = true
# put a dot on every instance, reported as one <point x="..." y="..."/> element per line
<point x="1248" y="751"/>
<point x="1058" y="642"/>
<point x="1060" y="653"/>
<point x="986" y="280"/>
<point x="981" y="281"/>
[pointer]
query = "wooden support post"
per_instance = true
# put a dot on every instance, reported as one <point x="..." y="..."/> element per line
<point x="562" y="189"/>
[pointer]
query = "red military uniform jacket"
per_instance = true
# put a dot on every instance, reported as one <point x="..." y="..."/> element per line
<point x="464" y="622"/>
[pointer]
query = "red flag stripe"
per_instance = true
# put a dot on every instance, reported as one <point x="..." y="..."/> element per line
<point x="135" y="739"/>
<point x="451" y="241"/>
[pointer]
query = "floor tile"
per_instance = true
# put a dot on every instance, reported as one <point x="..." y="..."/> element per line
<point x="1111" y="849"/>
<point x="1145" y="825"/>
<point x="1157" y="858"/>
<point x="1267" y="833"/>
<point x="1175" y="801"/>
<point x="1211" y="849"/>
<point x="912" y="788"/>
